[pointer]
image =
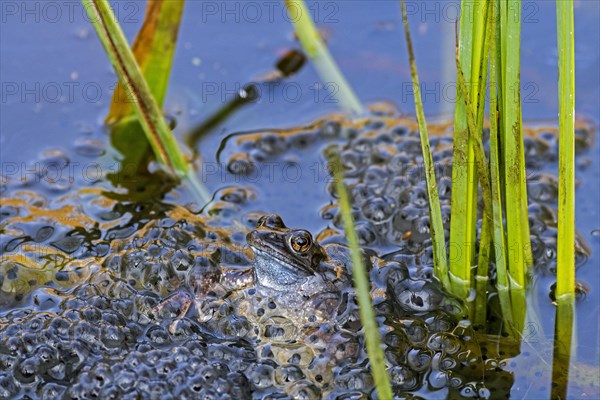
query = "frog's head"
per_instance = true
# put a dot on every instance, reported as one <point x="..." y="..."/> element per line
<point x="284" y="257"/>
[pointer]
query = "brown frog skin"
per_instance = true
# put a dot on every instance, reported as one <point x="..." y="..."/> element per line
<point x="289" y="265"/>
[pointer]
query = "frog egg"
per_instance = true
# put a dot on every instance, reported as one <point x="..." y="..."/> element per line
<point x="470" y="391"/>
<point x="444" y="341"/>
<point x="417" y="296"/>
<point x="355" y="395"/>
<point x="376" y="177"/>
<point x="378" y="209"/>
<point x="409" y="146"/>
<point x="90" y="147"/>
<point x="418" y="197"/>
<point x="399" y="164"/>
<point x="271" y="144"/>
<point x="400" y="131"/>
<point x="81" y="391"/>
<point x="355" y="379"/>
<point x="235" y="326"/>
<point x="101" y="375"/>
<point x="181" y="261"/>
<point x="304" y="390"/>
<point x="234" y="195"/>
<point x="402" y="378"/>
<point x="53" y="159"/>
<point x="420" y="229"/>
<point x="26" y="371"/>
<point x="535" y="148"/>
<point x="396" y="190"/>
<point x="360" y="193"/>
<point x="51" y="390"/>
<point x="419" y="360"/>
<point x="261" y="376"/>
<point x="302" y="140"/>
<point x="329" y="212"/>
<point x="382" y="153"/>
<point x="415" y="331"/>
<point x="543" y="190"/>
<point x="366" y="234"/>
<point x="287" y="374"/>
<point x="445" y="188"/>
<point x="241" y="164"/>
<point x="354" y="163"/>
<point x="395" y="273"/>
<point x="438" y="379"/>
<point x="48" y="356"/>
<point x="330" y="129"/>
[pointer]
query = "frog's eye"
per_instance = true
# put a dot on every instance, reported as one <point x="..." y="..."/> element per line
<point x="301" y="242"/>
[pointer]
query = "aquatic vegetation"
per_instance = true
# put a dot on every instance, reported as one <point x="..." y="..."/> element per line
<point x="437" y="229"/>
<point x="361" y="281"/>
<point x="317" y="52"/>
<point x="121" y="291"/>
<point x="149" y="115"/>
<point x="565" y="283"/>
<point x="241" y="336"/>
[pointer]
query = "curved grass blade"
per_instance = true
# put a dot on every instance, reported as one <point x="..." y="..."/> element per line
<point x="437" y="226"/>
<point x="361" y="282"/>
<point x="157" y="132"/>
<point x="316" y="50"/>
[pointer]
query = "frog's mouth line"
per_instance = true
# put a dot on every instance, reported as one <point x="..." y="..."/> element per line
<point x="292" y="268"/>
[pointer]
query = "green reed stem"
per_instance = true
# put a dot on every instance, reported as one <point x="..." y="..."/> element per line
<point x="158" y="133"/>
<point x="514" y="170"/>
<point x="361" y="281"/>
<point x="496" y="181"/>
<point x="565" y="279"/>
<point x="486" y="236"/>
<point x="437" y="226"/>
<point x="464" y="181"/>
<point x="561" y="357"/>
<point x="565" y="284"/>
<point x="317" y="51"/>
<point x="479" y="314"/>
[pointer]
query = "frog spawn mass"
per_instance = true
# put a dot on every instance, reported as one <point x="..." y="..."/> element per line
<point x="385" y="176"/>
<point x="102" y="337"/>
<point x="98" y="333"/>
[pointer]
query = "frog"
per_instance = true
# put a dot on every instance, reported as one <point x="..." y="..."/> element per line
<point x="291" y="268"/>
<point x="305" y="280"/>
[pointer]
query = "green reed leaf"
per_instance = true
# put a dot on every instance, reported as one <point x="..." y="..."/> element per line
<point x="149" y="114"/>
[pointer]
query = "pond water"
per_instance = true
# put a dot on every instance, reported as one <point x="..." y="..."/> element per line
<point x="56" y="90"/>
